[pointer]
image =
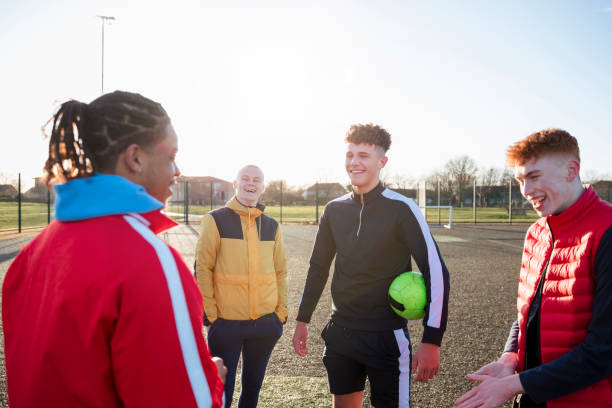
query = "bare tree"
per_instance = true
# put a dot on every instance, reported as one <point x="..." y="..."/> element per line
<point x="592" y="176"/>
<point x="272" y="193"/>
<point x="488" y="178"/>
<point x="447" y="195"/>
<point x="385" y="178"/>
<point x="402" y="182"/>
<point x="507" y="175"/>
<point x="462" y="171"/>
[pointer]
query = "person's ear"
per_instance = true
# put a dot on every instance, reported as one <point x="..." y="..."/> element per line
<point x="383" y="161"/>
<point x="132" y="158"/>
<point x="235" y="184"/>
<point x="573" y="170"/>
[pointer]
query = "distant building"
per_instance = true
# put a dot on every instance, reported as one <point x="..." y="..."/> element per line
<point x="40" y="193"/>
<point x="327" y="191"/>
<point x="201" y="190"/>
<point x="8" y="191"/>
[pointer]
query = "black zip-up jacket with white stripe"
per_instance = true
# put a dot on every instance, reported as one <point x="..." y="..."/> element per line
<point x="373" y="242"/>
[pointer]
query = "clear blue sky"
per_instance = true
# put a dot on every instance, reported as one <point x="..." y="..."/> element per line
<point x="278" y="84"/>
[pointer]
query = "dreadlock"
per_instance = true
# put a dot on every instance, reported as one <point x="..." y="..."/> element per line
<point x="88" y="138"/>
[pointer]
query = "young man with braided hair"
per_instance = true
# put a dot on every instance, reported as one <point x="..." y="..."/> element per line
<point x="372" y="232"/>
<point x="559" y="351"/>
<point x="97" y="310"/>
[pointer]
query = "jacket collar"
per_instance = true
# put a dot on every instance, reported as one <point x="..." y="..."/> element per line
<point x="236" y="206"/>
<point x="101" y="195"/>
<point x="574" y="213"/>
<point x="370" y="195"/>
<point x="156" y="221"/>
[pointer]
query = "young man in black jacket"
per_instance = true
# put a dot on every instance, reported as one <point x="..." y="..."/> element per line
<point x="372" y="232"/>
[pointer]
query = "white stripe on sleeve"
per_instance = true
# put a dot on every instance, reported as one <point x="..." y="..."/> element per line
<point x="433" y="258"/>
<point x="191" y="356"/>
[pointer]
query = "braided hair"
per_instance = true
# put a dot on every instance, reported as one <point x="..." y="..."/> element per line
<point x="88" y="138"/>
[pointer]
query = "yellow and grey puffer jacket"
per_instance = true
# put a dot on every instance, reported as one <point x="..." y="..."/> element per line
<point x="241" y="267"/>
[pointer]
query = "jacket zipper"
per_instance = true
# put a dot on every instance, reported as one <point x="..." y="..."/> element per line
<point x="360" y="213"/>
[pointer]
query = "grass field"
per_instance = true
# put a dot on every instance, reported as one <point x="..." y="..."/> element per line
<point x="32" y="215"/>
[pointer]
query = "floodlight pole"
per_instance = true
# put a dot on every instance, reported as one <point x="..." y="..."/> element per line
<point x="104" y="19"/>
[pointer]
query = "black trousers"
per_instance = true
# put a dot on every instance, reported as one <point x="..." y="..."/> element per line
<point x="255" y="340"/>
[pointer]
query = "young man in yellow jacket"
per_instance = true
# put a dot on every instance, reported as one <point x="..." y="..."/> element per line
<point x="241" y="270"/>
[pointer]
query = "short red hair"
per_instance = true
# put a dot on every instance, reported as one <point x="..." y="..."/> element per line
<point x="540" y="143"/>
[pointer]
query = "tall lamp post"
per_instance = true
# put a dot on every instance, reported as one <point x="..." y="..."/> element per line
<point x="104" y="20"/>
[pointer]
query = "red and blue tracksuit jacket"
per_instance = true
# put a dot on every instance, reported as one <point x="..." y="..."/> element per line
<point x="98" y="311"/>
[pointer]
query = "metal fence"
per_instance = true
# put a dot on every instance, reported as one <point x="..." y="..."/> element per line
<point x="21" y="210"/>
<point x="473" y="203"/>
<point x="191" y="200"/>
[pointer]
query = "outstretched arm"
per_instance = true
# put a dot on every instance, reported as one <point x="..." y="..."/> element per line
<point x="586" y="364"/>
<point x="322" y="254"/>
<point x="491" y="393"/>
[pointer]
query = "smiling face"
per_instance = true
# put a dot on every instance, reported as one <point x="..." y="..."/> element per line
<point x="249" y="185"/>
<point x="363" y="164"/>
<point x="549" y="182"/>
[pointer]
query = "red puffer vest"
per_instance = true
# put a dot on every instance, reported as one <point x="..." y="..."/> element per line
<point x="568" y="244"/>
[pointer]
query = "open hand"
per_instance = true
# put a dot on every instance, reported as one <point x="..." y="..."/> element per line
<point x="491" y="393"/>
<point x="505" y="366"/>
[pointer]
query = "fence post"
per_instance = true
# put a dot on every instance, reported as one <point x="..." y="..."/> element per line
<point x="186" y="203"/>
<point x="510" y="202"/>
<point x="439" y="218"/>
<point x="317" y="203"/>
<point x="211" y="195"/>
<point x="281" y="201"/>
<point x="474" y="201"/>
<point x="48" y="206"/>
<point x="19" y="202"/>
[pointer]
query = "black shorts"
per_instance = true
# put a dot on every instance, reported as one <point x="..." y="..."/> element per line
<point x="384" y="357"/>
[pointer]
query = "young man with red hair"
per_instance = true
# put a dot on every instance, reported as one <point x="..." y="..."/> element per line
<point x="559" y="352"/>
<point x="372" y="232"/>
